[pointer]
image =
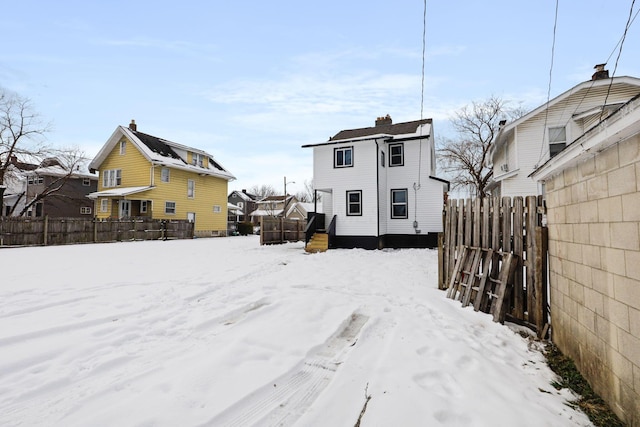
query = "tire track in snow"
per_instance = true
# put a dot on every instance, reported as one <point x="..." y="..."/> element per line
<point x="284" y="400"/>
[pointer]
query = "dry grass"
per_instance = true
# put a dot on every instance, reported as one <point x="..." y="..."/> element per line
<point x="589" y="402"/>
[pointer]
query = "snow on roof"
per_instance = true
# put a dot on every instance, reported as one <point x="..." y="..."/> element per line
<point x="162" y="152"/>
<point x="265" y="212"/>
<point x="118" y="192"/>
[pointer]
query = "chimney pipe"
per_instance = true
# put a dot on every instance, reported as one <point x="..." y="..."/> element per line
<point x="386" y="120"/>
<point x="600" y="73"/>
<point x="133" y="126"/>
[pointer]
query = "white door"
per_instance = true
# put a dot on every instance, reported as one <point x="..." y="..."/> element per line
<point x="125" y="209"/>
<point x="191" y="216"/>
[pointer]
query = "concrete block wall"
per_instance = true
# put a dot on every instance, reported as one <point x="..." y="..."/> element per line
<point x="593" y="212"/>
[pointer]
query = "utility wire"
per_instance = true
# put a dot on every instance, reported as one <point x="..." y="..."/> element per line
<point x="615" y="68"/>
<point x="416" y="186"/>
<point x="546" y="114"/>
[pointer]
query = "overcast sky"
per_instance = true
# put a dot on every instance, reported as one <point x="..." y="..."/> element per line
<point x="252" y="81"/>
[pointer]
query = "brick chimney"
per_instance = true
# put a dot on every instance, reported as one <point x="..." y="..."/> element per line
<point x="600" y="73"/>
<point x="386" y="120"/>
<point x="133" y="126"/>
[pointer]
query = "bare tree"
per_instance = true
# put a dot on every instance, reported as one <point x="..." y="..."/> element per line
<point x="58" y="170"/>
<point x="464" y="159"/>
<point x="308" y="194"/>
<point x="262" y="191"/>
<point x="21" y="134"/>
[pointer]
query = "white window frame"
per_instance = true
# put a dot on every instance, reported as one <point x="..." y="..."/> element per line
<point x="112" y="178"/>
<point x="217" y="209"/>
<point x="104" y="205"/>
<point x="165" y="175"/>
<point x="85" y="210"/>
<point x="191" y="188"/>
<point x="35" y="180"/>
<point x="197" y="159"/>
<point x="123" y="147"/>
<point x="395" y="204"/>
<point x="240" y="205"/>
<point x="144" y="205"/>
<point x="357" y="203"/>
<point x="86" y="182"/>
<point x="557" y="144"/>
<point x="168" y="209"/>
<point x="398" y="158"/>
<point x="340" y="157"/>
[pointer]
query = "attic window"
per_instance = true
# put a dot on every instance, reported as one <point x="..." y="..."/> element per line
<point x="557" y="140"/>
<point x="123" y="147"/>
<point x="164" y="175"/>
<point x="197" y="159"/>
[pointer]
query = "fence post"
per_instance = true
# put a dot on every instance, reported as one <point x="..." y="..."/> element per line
<point x="532" y="216"/>
<point x="519" y="298"/>
<point x="45" y="230"/>
<point x="541" y="279"/>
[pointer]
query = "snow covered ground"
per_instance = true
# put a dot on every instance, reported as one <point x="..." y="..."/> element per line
<point x="226" y="332"/>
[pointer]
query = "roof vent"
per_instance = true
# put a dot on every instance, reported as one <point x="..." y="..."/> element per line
<point x="133" y="126"/>
<point x="600" y="73"/>
<point x="386" y="120"/>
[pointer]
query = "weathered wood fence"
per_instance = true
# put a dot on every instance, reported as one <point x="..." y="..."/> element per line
<point x="275" y="230"/>
<point x="62" y="231"/>
<point x="504" y="225"/>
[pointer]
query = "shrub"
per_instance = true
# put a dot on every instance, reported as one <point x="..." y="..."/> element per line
<point x="245" y="228"/>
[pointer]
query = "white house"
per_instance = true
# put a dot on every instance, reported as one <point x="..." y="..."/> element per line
<point x="524" y="144"/>
<point x="378" y="187"/>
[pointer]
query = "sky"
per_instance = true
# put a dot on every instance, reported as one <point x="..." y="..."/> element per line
<point x="251" y="82"/>
<point x="228" y="342"/>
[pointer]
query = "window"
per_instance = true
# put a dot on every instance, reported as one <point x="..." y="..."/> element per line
<point x="396" y="155"/>
<point x="343" y="157"/>
<point x="170" y="207"/>
<point x="382" y="161"/>
<point x="354" y="202"/>
<point x="240" y="205"/>
<point x="164" y="175"/>
<point x="399" y="204"/>
<point x="197" y="159"/>
<point x="217" y="209"/>
<point x="123" y="147"/>
<point x="191" y="188"/>
<point x="104" y="205"/>
<point x="112" y="177"/>
<point x="557" y="140"/>
<point x="85" y="210"/>
<point x="34" y="180"/>
<point x="86" y="182"/>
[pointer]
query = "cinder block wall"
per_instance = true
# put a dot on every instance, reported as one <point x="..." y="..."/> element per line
<point x="594" y="262"/>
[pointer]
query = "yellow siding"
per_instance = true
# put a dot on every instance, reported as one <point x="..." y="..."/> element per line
<point x="209" y="191"/>
<point x="137" y="171"/>
<point x="135" y="167"/>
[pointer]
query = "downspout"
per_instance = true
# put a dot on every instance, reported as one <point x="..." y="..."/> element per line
<point x="378" y="190"/>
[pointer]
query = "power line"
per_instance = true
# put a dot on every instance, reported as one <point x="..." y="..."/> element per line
<point x="615" y="68"/>
<point x="553" y="49"/>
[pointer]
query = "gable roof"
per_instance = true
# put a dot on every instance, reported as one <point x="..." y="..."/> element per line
<point x="617" y="127"/>
<point x="244" y="195"/>
<point x="161" y="152"/>
<point x="581" y="87"/>
<point x="389" y="131"/>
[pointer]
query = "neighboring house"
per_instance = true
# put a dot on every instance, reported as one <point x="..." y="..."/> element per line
<point x="300" y="210"/>
<point x="146" y="176"/>
<point x="378" y="185"/>
<point x="15" y="181"/>
<point x="522" y="145"/>
<point x="245" y="202"/>
<point x="276" y="206"/>
<point x="592" y="191"/>
<point x="70" y="200"/>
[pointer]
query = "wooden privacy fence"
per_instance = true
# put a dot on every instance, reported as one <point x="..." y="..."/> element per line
<point x="63" y="231"/>
<point x="504" y="226"/>
<point x="274" y="230"/>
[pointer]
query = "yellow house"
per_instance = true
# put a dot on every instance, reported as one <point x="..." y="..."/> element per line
<point x="146" y="176"/>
